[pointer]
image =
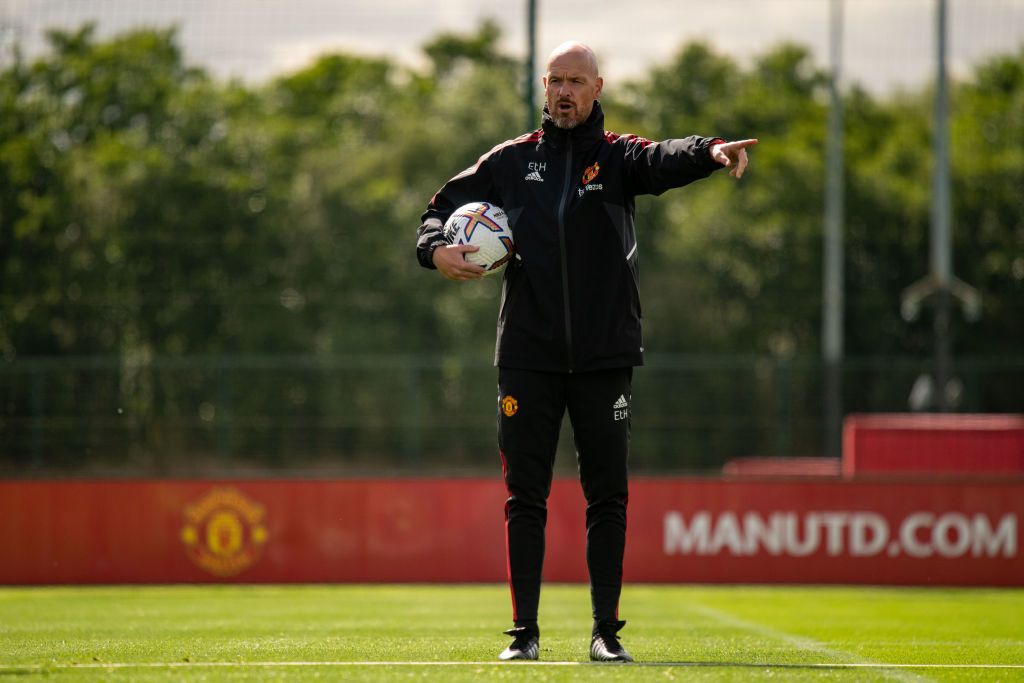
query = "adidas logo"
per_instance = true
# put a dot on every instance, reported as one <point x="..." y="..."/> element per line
<point x="534" y="176"/>
<point x="620" y="410"/>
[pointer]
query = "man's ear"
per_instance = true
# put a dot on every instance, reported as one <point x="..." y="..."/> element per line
<point x="600" y="84"/>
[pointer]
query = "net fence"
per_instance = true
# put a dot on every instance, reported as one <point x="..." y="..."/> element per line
<point x="342" y="412"/>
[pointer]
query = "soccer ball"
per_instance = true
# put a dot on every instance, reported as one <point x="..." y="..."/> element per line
<point x="483" y="225"/>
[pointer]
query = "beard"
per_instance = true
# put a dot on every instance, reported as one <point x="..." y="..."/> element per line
<point x="564" y="122"/>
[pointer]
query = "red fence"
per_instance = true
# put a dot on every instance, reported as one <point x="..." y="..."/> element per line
<point x="680" y="530"/>
<point x="934" y="443"/>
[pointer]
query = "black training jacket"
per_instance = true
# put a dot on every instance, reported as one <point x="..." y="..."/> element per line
<point x="570" y="300"/>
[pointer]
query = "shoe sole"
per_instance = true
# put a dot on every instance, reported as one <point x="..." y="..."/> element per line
<point x="520" y="655"/>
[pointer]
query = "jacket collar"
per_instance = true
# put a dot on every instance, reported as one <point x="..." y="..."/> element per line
<point x="588" y="132"/>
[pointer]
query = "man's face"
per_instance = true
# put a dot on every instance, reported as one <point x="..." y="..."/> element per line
<point x="571" y="86"/>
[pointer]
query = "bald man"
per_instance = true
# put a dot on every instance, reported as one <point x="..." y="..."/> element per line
<point x="569" y="321"/>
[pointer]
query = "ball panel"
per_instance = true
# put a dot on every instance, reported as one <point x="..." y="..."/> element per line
<point x="485" y="226"/>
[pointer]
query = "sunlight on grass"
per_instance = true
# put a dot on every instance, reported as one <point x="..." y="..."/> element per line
<point x="360" y="632"/>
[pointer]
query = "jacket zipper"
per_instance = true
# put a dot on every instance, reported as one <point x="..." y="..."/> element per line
<point x="565" y="259"/>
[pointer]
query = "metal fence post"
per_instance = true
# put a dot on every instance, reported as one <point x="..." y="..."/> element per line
<point x="38" y="400"/>
<point x="412" y="413"/>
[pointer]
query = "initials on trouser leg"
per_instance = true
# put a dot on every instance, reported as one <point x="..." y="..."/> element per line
<point x="599" y="408"/>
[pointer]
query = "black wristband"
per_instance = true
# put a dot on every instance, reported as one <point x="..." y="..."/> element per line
<point x="432" y="247"/>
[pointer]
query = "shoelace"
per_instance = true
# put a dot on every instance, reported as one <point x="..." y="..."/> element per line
<point x="611" y="642"/>
<point x="521" y="636"/>
<point x="608" y="631"/>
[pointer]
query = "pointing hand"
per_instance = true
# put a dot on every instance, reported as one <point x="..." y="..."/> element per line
<point x="733" y="155"/>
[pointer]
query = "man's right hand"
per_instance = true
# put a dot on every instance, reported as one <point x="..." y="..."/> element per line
<point x="450" y="259"/>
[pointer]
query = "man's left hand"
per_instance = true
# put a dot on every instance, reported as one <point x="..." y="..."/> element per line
<point x="733" y="155"/>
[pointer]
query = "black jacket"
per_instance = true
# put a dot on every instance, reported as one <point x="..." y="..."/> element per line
<point x="570" y="300"/>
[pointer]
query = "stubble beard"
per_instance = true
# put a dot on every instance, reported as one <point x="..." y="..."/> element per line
<point x="565" y="122"/>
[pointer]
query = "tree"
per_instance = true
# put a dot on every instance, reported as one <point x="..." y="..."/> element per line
<point x="149" y="213"/>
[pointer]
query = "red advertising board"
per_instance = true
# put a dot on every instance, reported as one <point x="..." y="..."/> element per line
<point x="889" y="532"/>
<point x="452" y="530"/>
<point x="929" y="444"/>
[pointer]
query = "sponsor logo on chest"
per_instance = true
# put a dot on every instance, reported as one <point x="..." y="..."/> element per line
<point x="588" y="184"/>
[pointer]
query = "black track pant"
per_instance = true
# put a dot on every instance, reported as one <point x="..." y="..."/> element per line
<point x="531" y="406"/>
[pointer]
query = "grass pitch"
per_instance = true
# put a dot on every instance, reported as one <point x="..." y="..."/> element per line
<point x="453" y="633"/>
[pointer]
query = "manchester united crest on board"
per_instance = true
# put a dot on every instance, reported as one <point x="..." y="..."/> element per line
<point x="224" y="532"/>
<point x="509" y="406"/>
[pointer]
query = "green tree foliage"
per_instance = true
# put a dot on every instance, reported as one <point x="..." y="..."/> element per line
<point x="147" y="210"/>
<point x="989" y="199"/>
<point x="744" y="256"/>
<point x="451" y="52"/>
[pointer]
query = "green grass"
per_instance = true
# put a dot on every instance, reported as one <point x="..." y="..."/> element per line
<point x="692" y="633"/>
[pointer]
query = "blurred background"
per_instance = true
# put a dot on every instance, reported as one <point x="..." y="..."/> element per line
<point x="208" y="212"/>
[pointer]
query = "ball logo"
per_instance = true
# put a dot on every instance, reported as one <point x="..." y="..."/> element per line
<point x="486" y="227"/>
<point x="509" y="406"/>
<point x="224" y="532"/>
<point x="478" y="216"/>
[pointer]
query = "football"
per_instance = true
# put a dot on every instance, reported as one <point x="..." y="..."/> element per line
<point x="486" y="226"/>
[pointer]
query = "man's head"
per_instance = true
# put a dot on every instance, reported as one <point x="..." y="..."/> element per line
<point x="571" y="84"/>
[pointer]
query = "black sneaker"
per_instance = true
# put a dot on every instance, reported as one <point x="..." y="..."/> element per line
<point x="605" y="645"/>
<point x="526" y="644"/>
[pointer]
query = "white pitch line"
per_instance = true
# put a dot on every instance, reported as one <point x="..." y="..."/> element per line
<point x="694" y="665"/>
<point x="806" y="644"/>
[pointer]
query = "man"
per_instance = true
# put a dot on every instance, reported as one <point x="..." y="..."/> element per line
<point x="569" y="320"/>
